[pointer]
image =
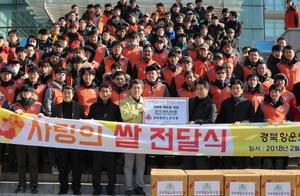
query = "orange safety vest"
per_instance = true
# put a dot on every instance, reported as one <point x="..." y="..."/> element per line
<point x="57" y="95"/>
<point x="168" y="74"/>
<point x="135" y="54"/>
<point x="179" y="80"/>
<point x="219" y="95"/>
<point x="35" y="108"/>
<point x="247" y="71"/>
<point x="256" y="98"/>
<point x="86" y="97"/>
<point x="292" y="74"/>
<point x="133" y="28"/>
<point x="275" y="114"/>
<point x="141" y="68"/>
<point x="211" y="75"/>
<point x="266" y="84"/>
<point x="233" y="59"/>
<point x="116" y="98"/>
<point x="9" y="92"/>
<point x="158" y="90"/>
<point x="160" y="58"/>
<point x="101" y="53"/>
<point x="108" y="61"/>
<point x="186" y="93"/>
<point x="201" y="67"/>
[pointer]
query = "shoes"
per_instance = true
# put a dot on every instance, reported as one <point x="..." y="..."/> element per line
<point x="34" y="189"/>
<point x="76" y="192"/>
<point x="139" y="191"/>
<point x="54" y="170"/>
<point x="111" y="192"/>
<point x="129" y="192"/>
<point x="20" y="189"/>
<point x="62" y="192"/>
<point x="97" y="192"/>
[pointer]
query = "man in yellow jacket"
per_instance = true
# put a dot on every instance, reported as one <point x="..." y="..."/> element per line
<point x="132" y="109"/>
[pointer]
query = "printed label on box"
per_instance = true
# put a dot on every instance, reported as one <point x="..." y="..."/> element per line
<point x="242" y="188"/>
<point x="278" y="188"/>
<point x="169" y="188"/>
<point x="207" y="188"/>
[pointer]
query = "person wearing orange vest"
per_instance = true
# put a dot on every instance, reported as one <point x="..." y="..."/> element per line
<point x="227" y="51"/>
<point x="115" y="57"/>
<point x="27" y="103"/>
<point x="13" y="43"/>
<point x="253" y="91"/>
<point x="291" y="16"/>
<point x="217" y="62"/>
<point x="153" y="86"/>
<point x="14" y="63"/>
<point x="74" y="70"/>
<point x="139" y="69"/>
<point x="109" y="77"/>
<point x="289" y="66"/>
<point x="132" y="50"/>
<point x="94" y="40"/>
<point x="4" y="49"/>
<point x="90" y="55"/>
<point x="220" y="88"/>
<point x="189" y="86"/>
<point x="34" y="81"/>
<point x="172" y="68"/>
<point x="133" y="27"/>
<point x="120" y="87"/>
<point x="25" y="62"/>
<point x="264" y="75"/>
<point x="203" y="61"/>
<point x="53" y="94"/>
<point x="75" y="39"/>
<point x="202" y="110"/>
<point x="272" y="110"/>
<point x="198" y="41"/>
<point x="7" y="86"/>
<point x="178" y="80"/>
<point x="113" y="25"/>
<point x="160" y="54"/>
<point x="87" y="91"/>
<point x="46" y="71"/>
<point x="243" y="69"/>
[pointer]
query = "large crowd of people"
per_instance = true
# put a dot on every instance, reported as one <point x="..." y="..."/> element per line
<point x="100" y="66"/>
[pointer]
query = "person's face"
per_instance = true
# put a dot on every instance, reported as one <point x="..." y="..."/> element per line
<point x="289" y="54"/>
<point x="93" y="38"/>
<point x="22" y="55"/>
<point x="261" y="69"/>
<point x="88" y="54"/>
<point x="44" y="69"/>
<point x="179" y="31"/>
<point x="91" y="10"/>
<point x="131" y="19"/>
<point x="198" y="41"/>
<point x="97" y="10"/>
<point x="122" y="1"/>
<point x="12" y="38"/>
<point x="227" y="49"/>
<point x="208" y="16"/>
<point x="65" y="42"/>
<point x="209" y="42"/>
<point x="147" y="53"/>
<point x="230" y="33"/>
<point x="142" y="35"/>
<point x="203" y="31"/>
<point x="60" y="77"/>
<point x="33" y="77"/>
<point x="252" y="82"/>
<point x="275" y="95"/>
<point x="186" y="66"/>
<point x="117" y="12"/>
<point x="199" y="4"/>
<point x="190" y="16"/>
<point x="225" y="14"/>
<point x="245" y="51"/>
<point x="155" y="18"/>
<point x="152" y="76"/>
<point x="119" y="80"/>
<point x="221" y="75"/>
<point x="105" y="36"/>
<point x="236" y="90"/>
<point x="58" y="48"/>
<point x="277" y="54"/>
<point x="190" y="43"/>
<point x="80" y="53"/>
<point x="1" y="42"/>
<point x="182" y="39"/>
<point x="67" y="95"/>
<point x="167" y="17"/>
<point x="289" y="4"/>
<point x="75" y="9"/>
<point x="132" y="5"/>
<point x="179" y="19"/>
<point x="77" y="66"/>
<point x="88" y="77"/>
<point x="179" y="1"/>
<point x="215" y="22"/>
<point x="281" y="43"/>
<point x="116" y="20"/>
<point x="173" y="60"/>
<point x="176" y="9"/>
<point x="30" y="51"/>
<point x="82" y="24"/>
<point x="160" y="32"/>
<point x="122" y="33"/>
<point x="190" y="6"/>
<point x="55" y="28"/>
<point x="229" y="69"/>
<point x="117" y="49"/>
<point x="26" y="94"/>
<point x="203" y="52"/>
<point x="54" y="59"/>
<point x="159" y="45"/>
<point x="73" y="30"/>
<point x="281" y="82"/>
<point x="201" y="91"/>
<point x="160" y="8"/>
<point x="43" y="37"/>
<point x="136" y="90"/>
<point x="6" y="76"/>
<point x="253" y="57"/>
<point x="231" y="18"/>
<point x="72" y="16"/>
<point x="105" y="94"/>
<point x="217" y="61"/>
<point x="62" y="23"/>
<point x="190" y="79"/>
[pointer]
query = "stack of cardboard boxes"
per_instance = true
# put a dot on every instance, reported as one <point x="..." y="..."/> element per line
<point x="177" y="182"/>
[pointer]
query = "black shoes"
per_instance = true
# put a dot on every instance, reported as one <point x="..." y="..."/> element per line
<point x="76" y="192"/>
<point x="139" y="191"/>
<point x="62" y="192"/>
<point x="34" y="189"/>
<point x="111" y="192"/>
<point x="97" y="192"/>
<point x="20" y="189"/>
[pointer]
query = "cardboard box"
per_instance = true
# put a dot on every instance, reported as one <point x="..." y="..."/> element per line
<point x="297" y="176"/>
<point x="205" y="182"/>
<point x="278" y="182"/>
<point x="242" y="184"/>
<point x="168" y="182"/>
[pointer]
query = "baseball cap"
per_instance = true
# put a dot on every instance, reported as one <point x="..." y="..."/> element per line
<point x="13" y="60"/>
<point x="189" y="12"/>
<point x="186" y="58"/>
<point x="218" y="55"/>
<point x="60" y="43"/>
<point x="7" y="69"/>
<point x="205" y="46"/>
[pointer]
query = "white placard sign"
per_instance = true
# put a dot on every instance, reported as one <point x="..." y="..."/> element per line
<point x="278" y="188"/>
<point x="207" y="188"/>
<point x="166" y="110"/>
<point x="242" y="189"/>
<point x="169" y="188"/>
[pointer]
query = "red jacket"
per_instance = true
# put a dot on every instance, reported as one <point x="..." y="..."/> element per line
<point x="291" y="17"/>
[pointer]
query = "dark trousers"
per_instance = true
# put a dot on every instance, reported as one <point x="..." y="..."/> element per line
<point x="99" y="159"/>
<point x="64" y="155"/>
<point x="227" y="162"/>
<point x="32" y="152"/>
<point x="195" y="162"/>
<point x="273" y="162"/>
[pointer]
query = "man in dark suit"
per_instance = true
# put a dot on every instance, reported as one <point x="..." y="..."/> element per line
<point x="71" y="110"/>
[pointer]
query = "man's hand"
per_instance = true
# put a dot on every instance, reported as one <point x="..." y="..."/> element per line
<point x="269" y="121"/>
<point x="237" y="122"/>
<point x="142" y="110"/>
<point x="191" y="122"/>
<point x="40" y="115"/>
<point x="19" y="111"/>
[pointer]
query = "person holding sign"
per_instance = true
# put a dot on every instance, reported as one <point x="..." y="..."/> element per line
<point x="132" y="109"/>
<point x="202" y="110"/>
